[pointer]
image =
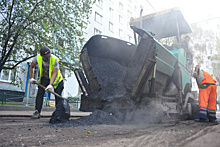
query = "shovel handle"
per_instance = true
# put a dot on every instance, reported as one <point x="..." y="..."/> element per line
<point x="48" y="89"/>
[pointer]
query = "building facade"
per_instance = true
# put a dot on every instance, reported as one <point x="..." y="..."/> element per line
<point x="112" y="17"/>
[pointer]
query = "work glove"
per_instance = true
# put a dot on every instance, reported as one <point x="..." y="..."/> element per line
<point x="33" y="81"/>
<point x="49" y="87"/>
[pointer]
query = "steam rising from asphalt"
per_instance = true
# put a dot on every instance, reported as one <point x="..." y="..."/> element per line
<point x="147" y="114"/>
<point x="139" y="116"/>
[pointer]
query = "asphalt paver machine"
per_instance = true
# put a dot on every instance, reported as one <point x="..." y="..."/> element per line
<point x="120" y="77"/>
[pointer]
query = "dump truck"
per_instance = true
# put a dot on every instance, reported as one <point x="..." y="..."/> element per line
<point x="121" y="77"/>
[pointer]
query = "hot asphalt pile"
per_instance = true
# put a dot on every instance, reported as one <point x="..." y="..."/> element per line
<point x="96" y="118"/>
<point x="99" y="117"/>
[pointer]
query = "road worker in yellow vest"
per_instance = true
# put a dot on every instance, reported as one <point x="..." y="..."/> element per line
<point x="50" y="77"/>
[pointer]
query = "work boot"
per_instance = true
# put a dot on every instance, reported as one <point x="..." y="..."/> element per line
<point x="213" y="122"/>
<point x="201" y="120"/>
<point x="36" y="115"/>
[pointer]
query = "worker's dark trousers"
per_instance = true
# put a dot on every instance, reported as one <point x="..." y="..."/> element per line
<point x="40" y="94"/>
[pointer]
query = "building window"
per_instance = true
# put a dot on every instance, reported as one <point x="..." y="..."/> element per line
<point x="110" y="11"/>
<point x="129" y="38"/>
<point x="6" y="75"/>
<point x="120" y="19"/>
<point x="128" y="25"/>
<point x="110" y="26"/>
<point x="100" y="3"/>
<point x="120" y="33"/>
<point x="84" y="27"/>
<point x="98" y="18"/>
<point x="120" y="6"/>
<point x="135" y="9"/>
<point x="96" y="31"/>
<point x="129" y="14"/>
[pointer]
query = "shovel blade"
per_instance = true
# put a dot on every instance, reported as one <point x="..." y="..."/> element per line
<point x="66" y="106"/>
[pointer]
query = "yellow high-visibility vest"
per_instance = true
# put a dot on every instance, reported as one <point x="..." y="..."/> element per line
<point x="59" y="76"/>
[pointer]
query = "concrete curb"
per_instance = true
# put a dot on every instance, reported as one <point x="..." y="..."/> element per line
<point x="29" y="108"/>
<point x="27" y="111"/>
<point x="43" y="114"/>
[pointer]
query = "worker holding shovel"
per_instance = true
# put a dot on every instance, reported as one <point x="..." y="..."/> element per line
<point x="50" y="78"/>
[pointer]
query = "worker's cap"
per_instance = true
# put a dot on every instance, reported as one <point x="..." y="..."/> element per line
<point x="45" y="51"/>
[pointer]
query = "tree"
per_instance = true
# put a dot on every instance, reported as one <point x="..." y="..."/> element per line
<point x="199" y="38"/>
<point x="215" y="60"/>
<point x="28" y="25"/>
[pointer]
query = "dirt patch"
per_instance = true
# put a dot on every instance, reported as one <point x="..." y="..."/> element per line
<point x="102" y="129"/>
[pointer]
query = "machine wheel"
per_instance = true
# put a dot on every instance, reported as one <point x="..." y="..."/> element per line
<point x="193" y="109"/>
<point x="189" y="108"/>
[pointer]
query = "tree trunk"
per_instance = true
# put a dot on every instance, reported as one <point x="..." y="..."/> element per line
<point x="1" y="66"/>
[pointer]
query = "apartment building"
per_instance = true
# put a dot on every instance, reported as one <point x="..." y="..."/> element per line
<point x="111" y="18"/>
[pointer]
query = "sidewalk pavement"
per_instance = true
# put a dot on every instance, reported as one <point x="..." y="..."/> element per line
<point x="27" y="111"/>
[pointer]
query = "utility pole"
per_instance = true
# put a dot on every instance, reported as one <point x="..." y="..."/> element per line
<point x="141" y="17"/>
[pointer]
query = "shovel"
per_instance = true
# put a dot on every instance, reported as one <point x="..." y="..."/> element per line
<point x="64" y="100"/>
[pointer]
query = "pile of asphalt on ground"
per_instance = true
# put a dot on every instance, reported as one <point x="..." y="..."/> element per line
<point x="97" y="117"/>
<point x="146" y="115"/>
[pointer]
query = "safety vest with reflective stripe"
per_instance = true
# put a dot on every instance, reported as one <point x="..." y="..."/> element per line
<point x="59" y="76"/>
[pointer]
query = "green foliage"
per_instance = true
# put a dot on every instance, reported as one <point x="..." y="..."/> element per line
<point x="17" y="104"/>
<point x="73" y="99"/>
<point x="201" y="40"/>
<point x="28" y="25"/>
<point x="216" y="59"/>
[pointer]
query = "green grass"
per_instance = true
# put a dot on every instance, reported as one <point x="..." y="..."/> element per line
<point x="16" y="104"/>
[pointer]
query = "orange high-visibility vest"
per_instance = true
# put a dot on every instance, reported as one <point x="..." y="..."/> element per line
<point x="207" y="78"/>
